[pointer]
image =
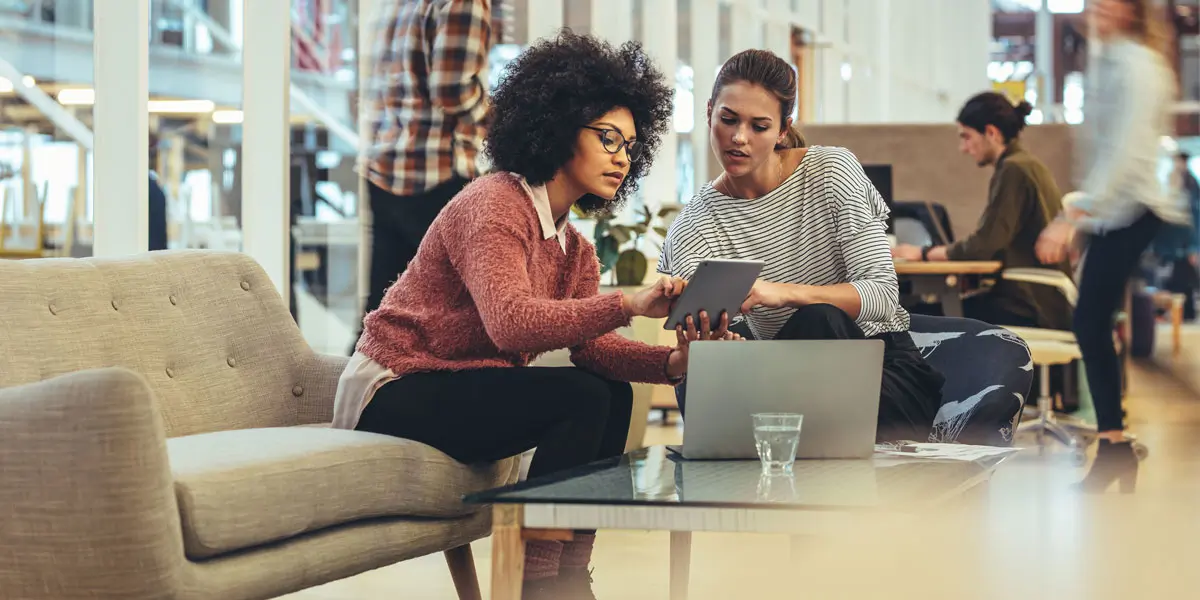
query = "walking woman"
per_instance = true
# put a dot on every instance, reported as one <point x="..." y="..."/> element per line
<point x="815" y="219"/>
<point x="502" y="277"/>
<point x="1123" y="206"/>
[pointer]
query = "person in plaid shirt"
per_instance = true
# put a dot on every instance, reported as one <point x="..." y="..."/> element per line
<point x="427" y="106"/>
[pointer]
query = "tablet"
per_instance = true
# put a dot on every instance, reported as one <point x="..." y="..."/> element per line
<point x="719" y="285"/>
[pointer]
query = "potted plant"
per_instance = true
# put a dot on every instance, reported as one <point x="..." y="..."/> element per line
<point x="628" y="266"/>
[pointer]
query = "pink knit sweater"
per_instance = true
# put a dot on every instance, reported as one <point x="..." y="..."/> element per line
<point x="487" y="289"/>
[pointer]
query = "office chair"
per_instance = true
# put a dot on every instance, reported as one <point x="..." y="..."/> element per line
<point x="1053" y="347"/>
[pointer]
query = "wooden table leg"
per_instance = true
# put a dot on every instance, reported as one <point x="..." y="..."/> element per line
<point x="508" y="552"/>
<point x="681" y="560"/>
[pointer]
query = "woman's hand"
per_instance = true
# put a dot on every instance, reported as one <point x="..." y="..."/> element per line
<point x="1055" y="242"/>
<point x="655" y="301"/>
<point x="678" y="361"/>
<point x="768" y="295"/>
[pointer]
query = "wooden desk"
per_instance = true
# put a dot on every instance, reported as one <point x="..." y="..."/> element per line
<point x="949" y="267"/>
<point x="943" y="279"/>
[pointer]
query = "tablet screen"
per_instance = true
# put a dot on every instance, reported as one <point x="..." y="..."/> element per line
<point x="719" y="285"/>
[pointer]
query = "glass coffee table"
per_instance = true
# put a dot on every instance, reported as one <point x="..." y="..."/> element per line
<point x="651" y="489"/>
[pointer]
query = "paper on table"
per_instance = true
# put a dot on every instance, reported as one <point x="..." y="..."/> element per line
<point x="960" y="452"/>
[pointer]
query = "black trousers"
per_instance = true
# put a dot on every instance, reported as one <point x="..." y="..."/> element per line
<point x="399" y="225"/>
<point x="571" y="416"/>
<point x="1111" y="259"/>
<point x="910" y="392"/>
<point x="158" y="216"/>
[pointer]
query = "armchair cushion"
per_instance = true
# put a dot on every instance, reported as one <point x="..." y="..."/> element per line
<point x="238" y="489"/>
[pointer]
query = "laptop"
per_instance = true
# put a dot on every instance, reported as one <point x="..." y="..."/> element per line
<point x="833" y="383"/>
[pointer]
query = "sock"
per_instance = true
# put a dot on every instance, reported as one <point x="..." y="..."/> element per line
<point x="542" y="559"/>
<point x="577" y="554"/>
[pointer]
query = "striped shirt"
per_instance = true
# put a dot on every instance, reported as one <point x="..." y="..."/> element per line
<point x="428" y="93"/>
<point x="824" y="225"/>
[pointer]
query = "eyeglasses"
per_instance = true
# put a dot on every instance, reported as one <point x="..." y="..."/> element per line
<point x="613" y="142"/>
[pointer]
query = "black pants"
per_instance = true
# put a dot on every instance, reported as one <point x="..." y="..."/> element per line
<point x="158" y="216"/>
<point x="399" y="225"/>
<point x="910" y="392"/>
<point x="571" y="416"/>
<point x="1111" y="259"/>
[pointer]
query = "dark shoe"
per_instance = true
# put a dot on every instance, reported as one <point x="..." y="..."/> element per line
<point x="575" y="584"/>
<point x="540" y="589"/>
<point x="1115" y="461"/>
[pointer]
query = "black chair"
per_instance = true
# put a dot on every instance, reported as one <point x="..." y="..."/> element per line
<point x="988" y="373"/>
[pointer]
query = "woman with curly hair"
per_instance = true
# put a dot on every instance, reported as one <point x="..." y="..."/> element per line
<point x="503" y="276"/>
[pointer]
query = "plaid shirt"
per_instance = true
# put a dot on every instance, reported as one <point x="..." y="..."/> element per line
<point x="428" y="93"/>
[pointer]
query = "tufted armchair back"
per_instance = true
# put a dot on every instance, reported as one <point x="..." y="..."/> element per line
<point x="206" y="330"/>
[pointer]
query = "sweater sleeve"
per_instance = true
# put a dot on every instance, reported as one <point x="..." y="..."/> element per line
<point x="612" y="355"/>
<point x="490" y="254"/>
<point x="1001" y="220"/>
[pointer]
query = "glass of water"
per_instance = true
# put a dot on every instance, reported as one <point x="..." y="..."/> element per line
<point x="777" y="436"/>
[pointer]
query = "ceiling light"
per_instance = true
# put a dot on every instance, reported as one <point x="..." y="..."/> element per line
<point x="227" y="117"/>
<point x="77" y="97"/>
<point x="181" y="106"/>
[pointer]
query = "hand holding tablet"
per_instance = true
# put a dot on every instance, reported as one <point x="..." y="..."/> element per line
<point x="718" y="286"/>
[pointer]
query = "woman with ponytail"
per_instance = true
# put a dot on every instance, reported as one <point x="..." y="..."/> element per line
<point x="1123" y="205"/>
<point x="813" y="217"/>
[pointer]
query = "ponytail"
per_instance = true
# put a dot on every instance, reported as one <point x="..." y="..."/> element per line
<point x="793" y="139"/>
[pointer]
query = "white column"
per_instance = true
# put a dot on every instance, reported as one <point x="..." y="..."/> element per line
<point x="612" y="20"/>
<point x="660" y="29"/>
<point x="121" y="131"/>
<point x="831" y="89"/>
<point x="779" y="29"/>
<point x="266" y="146"/>
<point x="746" y="25"/>
<point x="1043" y="52"/>
<point x="705" y="31"/>
<point x="881" y="72"/>
<point x="367" y="12"/>
<point x="543" y="18"/>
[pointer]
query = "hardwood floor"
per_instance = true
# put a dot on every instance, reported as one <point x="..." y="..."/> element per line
<point x="1029" y="535"/>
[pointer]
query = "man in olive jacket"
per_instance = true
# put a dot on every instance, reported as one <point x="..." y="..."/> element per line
<point x="1022" y="199"/>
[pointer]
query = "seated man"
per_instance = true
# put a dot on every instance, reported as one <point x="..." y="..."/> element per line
<point x="1022" y="199"/>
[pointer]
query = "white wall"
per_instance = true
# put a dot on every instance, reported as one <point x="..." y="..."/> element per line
<point x="910" y="62"/>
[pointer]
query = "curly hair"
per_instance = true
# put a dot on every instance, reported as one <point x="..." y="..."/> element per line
<point x="560" y="84"/>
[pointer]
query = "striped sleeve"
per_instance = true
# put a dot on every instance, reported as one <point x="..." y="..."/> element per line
<point x="685" y="245"/>
<point x="861" y="217"/>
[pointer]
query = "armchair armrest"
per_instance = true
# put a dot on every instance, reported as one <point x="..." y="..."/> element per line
<point x="86" y="489"/>
<point x="1050" y="277"/>
<point x="320" y="377"/>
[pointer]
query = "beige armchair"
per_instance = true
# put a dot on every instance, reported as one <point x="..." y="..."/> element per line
<point x="161" y="437"/>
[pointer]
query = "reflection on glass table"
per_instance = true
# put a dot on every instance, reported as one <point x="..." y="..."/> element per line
<point x="652" y="489"/>
<point x="656" y="476"/>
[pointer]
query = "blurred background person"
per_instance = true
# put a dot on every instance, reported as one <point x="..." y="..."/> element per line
<point x="1122" y="208"/>
<point x="1178" y="246"/>
<point x="428" y="105"/>
<point x="1022" y="199"/>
